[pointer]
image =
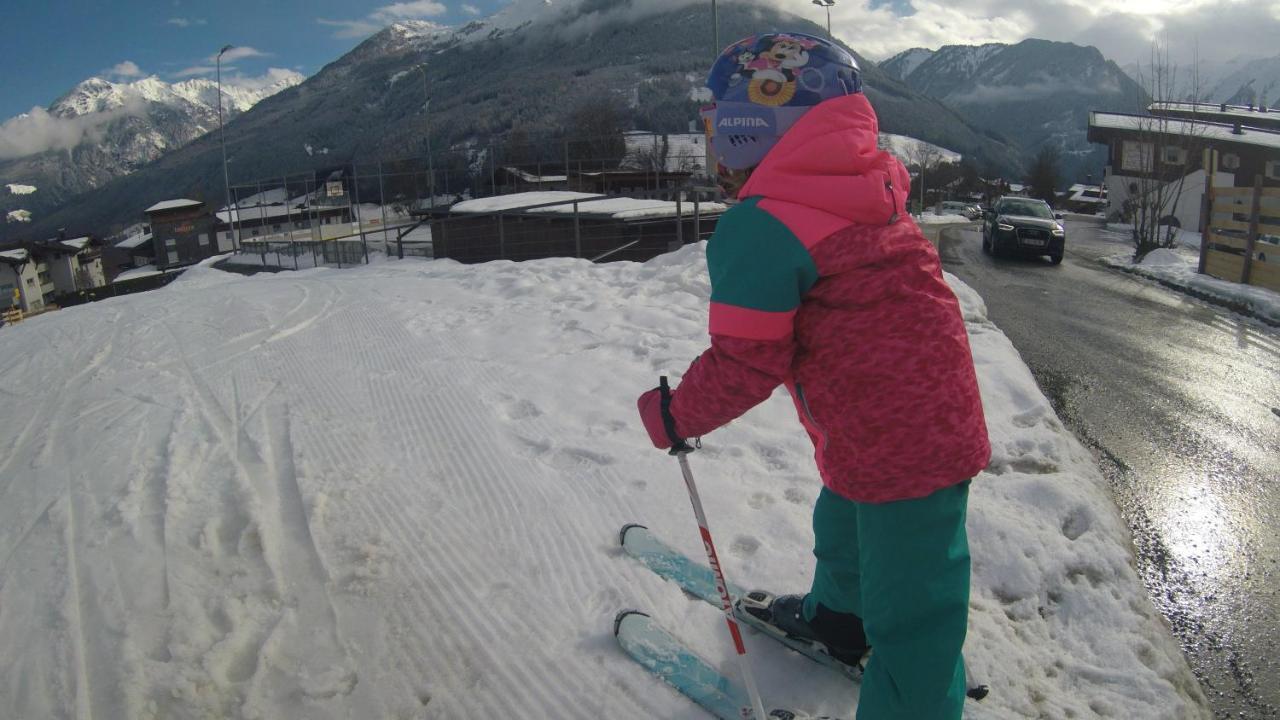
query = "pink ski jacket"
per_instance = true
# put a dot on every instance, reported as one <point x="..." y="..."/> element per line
<point x="822" y="283"/>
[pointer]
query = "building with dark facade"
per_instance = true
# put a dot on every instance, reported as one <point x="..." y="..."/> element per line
<point x="181" y="233"/>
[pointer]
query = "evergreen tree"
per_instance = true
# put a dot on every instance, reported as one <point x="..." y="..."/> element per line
<point x="1043" y="174"/>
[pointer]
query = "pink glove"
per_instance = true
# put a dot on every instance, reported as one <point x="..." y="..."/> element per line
<point x="650" y="405"/>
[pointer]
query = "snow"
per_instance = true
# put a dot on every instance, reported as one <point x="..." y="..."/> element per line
<point x="18" y="216"/>
<point x="19" y="255"/>
<point x="394" y="491"/>
<point x="19" y="189"/>
<point x="138" y="272"/>
<point x="929" y="218"/>
<point x="1201" y="130"/>
<point x="172" y="205"/>
<point x="591" y="204"/>
<point x="904" y="147"/>
<point x="134" y="241"/>
<point x="1177" y="267"/>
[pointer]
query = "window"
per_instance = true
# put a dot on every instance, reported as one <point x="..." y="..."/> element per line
<point x="1230" y="161"/>
<point x="31" y="282"/>
<point x="170" y="243"/>
<point x="254" y="232"/>
<point x="173" y="257"/>
<point x="275" y="228"/>
<point x="227" y="235"/>
<point x="204" y="240"/>
<point x="1173" y="156"/>
<point x="1273" y="169"/>
<point x="1136" y="156"/>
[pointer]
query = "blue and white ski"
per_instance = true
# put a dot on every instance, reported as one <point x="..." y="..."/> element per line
<point x="678" y="666"/>
<point x="697" y="579"/>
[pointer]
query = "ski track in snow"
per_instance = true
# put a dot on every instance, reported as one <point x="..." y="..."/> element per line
<point x="394" y="492"/>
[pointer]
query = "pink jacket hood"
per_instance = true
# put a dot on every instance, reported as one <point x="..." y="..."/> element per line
<point x="829" y="161"/>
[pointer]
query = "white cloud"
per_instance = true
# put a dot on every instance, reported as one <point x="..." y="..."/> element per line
<point x="470" y="9"/>
<point x="198" y="70"/>
<point x="383" y="16"/>
<point x="415" y="10"/>
<point x="351" y="28"/>
<point x="38" y="131"/>
<point x="186" y="22"/>
<point x="238" y="53"/>
<point x="126" y="69"/>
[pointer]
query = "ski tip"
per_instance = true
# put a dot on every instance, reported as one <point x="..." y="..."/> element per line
<point x="622" y="534"/>
<point x="979" y="692"/>
<point x="622" y="615"/>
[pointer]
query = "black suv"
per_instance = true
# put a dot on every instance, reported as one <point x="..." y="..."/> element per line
<point x="1023" y="226"/>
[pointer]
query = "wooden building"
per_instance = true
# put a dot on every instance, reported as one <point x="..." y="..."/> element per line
<point x="528" y="226"/>
<point x="181" y="231"/>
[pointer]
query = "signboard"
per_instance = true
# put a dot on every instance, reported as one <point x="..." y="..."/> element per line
<point x="333" y="189"/>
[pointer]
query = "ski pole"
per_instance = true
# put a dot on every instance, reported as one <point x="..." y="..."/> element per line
<point x="681" y="450"/>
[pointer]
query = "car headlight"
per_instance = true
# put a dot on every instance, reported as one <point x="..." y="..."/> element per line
<point x="1059" y="232"/>
<point x="1004" y="226"/>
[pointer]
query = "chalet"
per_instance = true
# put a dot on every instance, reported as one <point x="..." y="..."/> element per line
<point x="33" y="275"/>
<point x="181" y="233"/>
<point x="1174" y="149"/>
<point x="274" y="216"/>
<point x="1259" y="117"/>
<point x="527" y="226"/>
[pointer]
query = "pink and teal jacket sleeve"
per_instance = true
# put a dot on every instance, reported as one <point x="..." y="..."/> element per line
<point x="760" y="273"/>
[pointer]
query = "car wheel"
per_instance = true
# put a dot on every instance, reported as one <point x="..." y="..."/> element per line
<point x="986" y="244"/>
<point x="1056" y="258"/>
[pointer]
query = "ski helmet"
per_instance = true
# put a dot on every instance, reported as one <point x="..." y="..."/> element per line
<point x="763" y="84"/>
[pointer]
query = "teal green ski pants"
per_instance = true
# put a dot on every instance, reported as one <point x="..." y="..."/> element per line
<point x="903" y="567"/>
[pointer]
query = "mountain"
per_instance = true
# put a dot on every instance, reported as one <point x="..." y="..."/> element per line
<point x="1244" y="81"/>
<point x="534" y="69"/>
<point x="1036" y="92"/>
<point x="101" y="130"/>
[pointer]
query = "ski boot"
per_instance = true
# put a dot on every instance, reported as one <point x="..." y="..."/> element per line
<point x="839" y="635"/>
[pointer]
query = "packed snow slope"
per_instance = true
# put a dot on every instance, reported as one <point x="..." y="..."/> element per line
<point x="394" y="492"/>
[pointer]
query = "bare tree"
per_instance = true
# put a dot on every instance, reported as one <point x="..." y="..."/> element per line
<point x="925" y="158"/>
<point x="1159" y="156"/>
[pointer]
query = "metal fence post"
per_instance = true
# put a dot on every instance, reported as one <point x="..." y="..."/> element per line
<point x="502" y="239"/>
<point x="577" y="232"/>
<point x="1251" y="243"/>
<point x="679" y="219"/>
<point x="697" y="217"/>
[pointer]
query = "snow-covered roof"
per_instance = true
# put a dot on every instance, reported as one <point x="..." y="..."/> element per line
<point x="15" y="255"/>
<point x="618" y="208"/>
<point x="533" y="178"/>
<point x="135" y="273"/>
<point x="1235" y="112"/>
<point x="1186" y="128"/>
<point x="134" y="241"/>
<point x="172" y="205"/>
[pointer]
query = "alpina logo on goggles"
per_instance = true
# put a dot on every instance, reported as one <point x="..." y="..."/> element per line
<point x="736" y="118"/>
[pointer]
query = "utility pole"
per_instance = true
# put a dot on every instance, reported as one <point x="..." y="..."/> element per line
<point x="826" y="4"/>
<point x="226" y="182"/>
<point x="426" y="108"/>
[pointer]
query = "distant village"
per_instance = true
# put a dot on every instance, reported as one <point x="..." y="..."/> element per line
<point x="1194" y="145"/>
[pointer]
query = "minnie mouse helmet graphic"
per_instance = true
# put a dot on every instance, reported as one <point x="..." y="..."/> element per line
<point x="763" y="84"/>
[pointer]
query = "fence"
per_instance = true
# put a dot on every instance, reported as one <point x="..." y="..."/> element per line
<point x="1241" y="239"/>
<point x="289" y="221"/>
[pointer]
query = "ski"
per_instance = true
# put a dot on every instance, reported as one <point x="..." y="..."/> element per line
<point x="698" y="580"/>
<point x="659" y="652"/>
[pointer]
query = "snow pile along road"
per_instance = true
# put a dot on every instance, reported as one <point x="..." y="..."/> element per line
<point x="394" y="491"/>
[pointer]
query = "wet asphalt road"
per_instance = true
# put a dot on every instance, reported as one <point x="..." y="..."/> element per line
<point x="1180" y="402"/>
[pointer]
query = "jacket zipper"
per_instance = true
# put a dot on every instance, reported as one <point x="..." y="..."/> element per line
<point x="808" y="413"/>
<point x="888" y="185"/>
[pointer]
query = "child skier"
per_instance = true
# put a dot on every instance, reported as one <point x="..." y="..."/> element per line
<point x="822" y="283"/>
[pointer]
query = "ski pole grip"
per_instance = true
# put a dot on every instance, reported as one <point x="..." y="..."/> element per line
<point x="678" y="444"/>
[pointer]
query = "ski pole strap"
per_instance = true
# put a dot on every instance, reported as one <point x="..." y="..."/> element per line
<point x="678" y="444"/>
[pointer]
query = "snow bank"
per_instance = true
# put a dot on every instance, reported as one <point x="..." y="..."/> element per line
<point x="931" y="219"/>
<point x="18" y="216"/>
<point x="1177" y="268"/>
<point x="394" y="491"/>
<point x="19" y="189"/>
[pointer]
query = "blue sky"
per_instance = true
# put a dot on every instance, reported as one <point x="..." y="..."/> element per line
<point x="46" y="47"/>
<point x="50" y="45"/>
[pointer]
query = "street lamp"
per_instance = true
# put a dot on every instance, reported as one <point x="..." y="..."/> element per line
<point x="426" y="109"/>
<point x="226" y="182"/>
<point x="826" y="4"/>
